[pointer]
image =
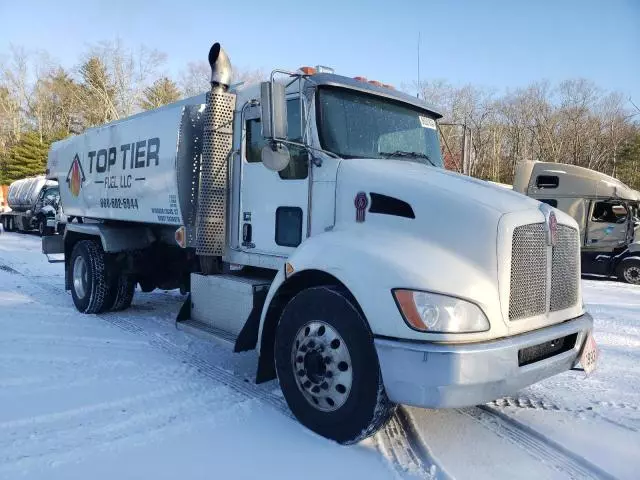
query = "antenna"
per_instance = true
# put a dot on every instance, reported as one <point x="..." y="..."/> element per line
<point x="418" y="94"/>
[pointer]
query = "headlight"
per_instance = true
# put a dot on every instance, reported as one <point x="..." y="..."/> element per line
<point x="430" y="312"/>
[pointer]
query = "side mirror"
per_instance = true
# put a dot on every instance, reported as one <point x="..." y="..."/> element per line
<point x="273" y="103"/>
<point x="275" y="156"/>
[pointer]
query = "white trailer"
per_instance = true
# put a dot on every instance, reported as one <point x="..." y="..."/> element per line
<point x="33" y="202"/>
<point x="310" y="217"/>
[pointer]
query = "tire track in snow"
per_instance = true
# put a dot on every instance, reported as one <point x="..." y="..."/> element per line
<point x="536" y="444"/>
<point x="400" y="441"/>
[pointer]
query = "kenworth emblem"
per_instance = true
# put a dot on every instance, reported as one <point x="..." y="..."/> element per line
<point x="361" y="203"/>
<point x="550" y="223"/>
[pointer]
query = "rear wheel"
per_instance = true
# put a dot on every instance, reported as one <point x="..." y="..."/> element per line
<point x="122" y="291"/>
<point x="328" y="367"/>
<point x="90" y="288"/>
<point x="629" y="271"/>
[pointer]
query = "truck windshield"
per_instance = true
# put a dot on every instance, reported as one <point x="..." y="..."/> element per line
<point x="359" y="125"/>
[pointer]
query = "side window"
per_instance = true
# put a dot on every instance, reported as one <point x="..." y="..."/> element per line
<point x="605" y="212"/>
<point x="549" y="201"/>
<point x="289" y="226"/>
<point x="547" y="181"/>
<point x="298" y="168"/>
<point x="255" y="141"/>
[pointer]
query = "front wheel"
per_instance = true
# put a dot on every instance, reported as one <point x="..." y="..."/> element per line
<point x="629" y="271"/>
<point x="42" y="226"/>
<point x="328" y="367"/>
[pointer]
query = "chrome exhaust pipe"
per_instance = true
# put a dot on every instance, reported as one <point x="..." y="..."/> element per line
<point x="211" y="210"/>
<point x="220" y="68"/>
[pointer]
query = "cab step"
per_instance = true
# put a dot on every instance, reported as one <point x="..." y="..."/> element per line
<point x="206" y="331"/>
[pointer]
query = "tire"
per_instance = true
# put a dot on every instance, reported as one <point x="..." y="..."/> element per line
<point x="89" y="283"/>
<point x="350" y="402"/>
<point x="629" y="271"/>
<point x="42" y="226"/>
<point x="122" y="291"/>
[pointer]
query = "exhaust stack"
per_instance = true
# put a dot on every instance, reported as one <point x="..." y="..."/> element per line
<point x="211" y="226"/>
<point x="220" y="68"/>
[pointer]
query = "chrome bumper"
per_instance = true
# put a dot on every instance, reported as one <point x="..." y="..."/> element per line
<point x="443" y="376"/>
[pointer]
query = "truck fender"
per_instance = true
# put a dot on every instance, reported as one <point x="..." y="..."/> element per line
<point x="113" y="238"/>
<point x="351" y="259"/>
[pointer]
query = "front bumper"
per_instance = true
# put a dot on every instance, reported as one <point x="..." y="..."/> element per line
<point x="434" y="375"/>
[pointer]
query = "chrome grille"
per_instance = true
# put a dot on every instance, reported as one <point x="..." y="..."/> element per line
<point x="564" y="270"/>
<point x="528" y="293"/>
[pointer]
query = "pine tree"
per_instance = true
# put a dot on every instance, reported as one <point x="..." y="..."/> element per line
<point x="162" y="92"/>
<point x="26" y="158"/>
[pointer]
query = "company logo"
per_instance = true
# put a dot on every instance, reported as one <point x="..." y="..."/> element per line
<point x="361" y="203"/>
<point x="75" y="177"/>
<point x="551" y="224"/>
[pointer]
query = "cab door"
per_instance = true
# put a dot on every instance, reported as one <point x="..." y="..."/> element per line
<point x="607" y="225"/>
<point x="273" y="205"/>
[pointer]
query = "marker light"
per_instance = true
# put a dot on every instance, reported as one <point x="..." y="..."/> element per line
<point x="376" y="83"/>
<point x="360" y="79"/>
<point x="308" y="70"/>
<point x="181" y="237"/>
<point x="434" y="313"/>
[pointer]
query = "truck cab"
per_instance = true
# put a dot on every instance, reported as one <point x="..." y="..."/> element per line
<point x="33" y="202"/>
<point x="604" y="208"/>
<point x="309" y="217"/>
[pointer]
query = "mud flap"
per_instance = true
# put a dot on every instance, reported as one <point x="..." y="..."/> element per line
<point x="53" y="245"/>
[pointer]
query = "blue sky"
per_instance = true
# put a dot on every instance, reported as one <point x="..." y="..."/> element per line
<point x="502" y="44"/>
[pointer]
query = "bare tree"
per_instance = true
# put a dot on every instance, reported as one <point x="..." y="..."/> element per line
<point x="196" y="77"/>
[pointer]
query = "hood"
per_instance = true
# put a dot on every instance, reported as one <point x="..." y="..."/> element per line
<point x="421" y="182"/>
<point x="451" y="214"/>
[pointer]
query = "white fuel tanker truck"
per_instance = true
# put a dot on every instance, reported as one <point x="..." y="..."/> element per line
<point x="310" y="217"/>
<point x="33" y="203"/>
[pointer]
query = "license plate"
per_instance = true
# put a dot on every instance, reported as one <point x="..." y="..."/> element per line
<point x="589" y="355"/>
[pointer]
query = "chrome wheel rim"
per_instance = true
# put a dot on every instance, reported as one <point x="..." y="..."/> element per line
<point x="80" y="276"/>
<point x="632" y="274"/>
<point x="322" y="366"/>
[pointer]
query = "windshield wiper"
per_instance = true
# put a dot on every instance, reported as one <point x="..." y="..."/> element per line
<point x="404" y="154"/>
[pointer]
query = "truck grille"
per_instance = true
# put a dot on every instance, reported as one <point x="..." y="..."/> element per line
<point x="529" y="274"/>
<point x="564" y="269"/>
<point x="528" y="296"/>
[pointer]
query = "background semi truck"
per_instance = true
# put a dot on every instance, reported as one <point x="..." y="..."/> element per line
<point x="605" y="209"/>
<point x="32" y="203"/>
<point x="309" y="218"/>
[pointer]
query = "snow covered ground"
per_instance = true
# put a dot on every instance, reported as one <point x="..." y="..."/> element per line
<point x="128" y="396"/>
